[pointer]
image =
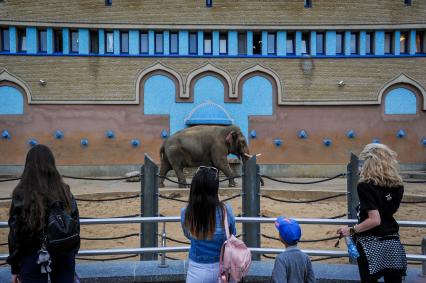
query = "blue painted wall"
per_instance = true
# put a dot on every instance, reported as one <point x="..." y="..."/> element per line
<point x="264" y="43"/>
<point x="159" y="99"/>
<point x="151" y="43"/>
<point x="379" y="43"/>
<point x="66" y="40"/>
<point x="183" y="43"/>
<point x="83" y="41"/>
<point x="101" y="41"/>
<point x="250" y="43"/>
<point x="347" y="40"/>
<point x="400" y="101"/>
<point x="12" y="39"/>
<point x="134" y="42"/>
<point x="215" y="38"/>
<point x="32" y="40"/>
<point x="166" y="44"/>
<point x="233" y="43"/>
<point x="362" y="42"/>
<point x="11" y="101"/>
<point x="116" y="42"/>
<point x="313" y="46"/>
<point x="412" y="42"/>
<point x="200" y="43"/>
<point x="330" y="46"/>
<point x="49" y="40"/>
<point x="298" y="43"/>
<point x="281" y="43"/>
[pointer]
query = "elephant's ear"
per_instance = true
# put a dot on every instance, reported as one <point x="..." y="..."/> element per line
<point x="230" y="136"/>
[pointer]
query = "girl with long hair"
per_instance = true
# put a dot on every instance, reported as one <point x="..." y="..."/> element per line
<point x="380" y="190"/>
<point x="202" y="223"/>
<point x="41" y="186"/>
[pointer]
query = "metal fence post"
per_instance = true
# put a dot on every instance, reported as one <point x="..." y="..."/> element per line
<point x="251" y="203"/>
<point x="424" y="253"/>
<point x="352" y="182"/>
<point x="149" y="206"/>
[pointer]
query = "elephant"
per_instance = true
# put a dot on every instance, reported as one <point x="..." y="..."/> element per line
<point x="207" y="145"/>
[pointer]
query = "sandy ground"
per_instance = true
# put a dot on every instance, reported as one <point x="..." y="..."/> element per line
<point x="323" y="209"/>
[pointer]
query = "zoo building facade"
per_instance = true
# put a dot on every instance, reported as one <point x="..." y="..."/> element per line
<point x="308" y="82"/>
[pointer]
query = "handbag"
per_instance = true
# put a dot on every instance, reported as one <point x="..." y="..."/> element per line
<point x="235" y="257"/>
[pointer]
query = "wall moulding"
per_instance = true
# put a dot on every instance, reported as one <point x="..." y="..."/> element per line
<point x="6" y="76"/>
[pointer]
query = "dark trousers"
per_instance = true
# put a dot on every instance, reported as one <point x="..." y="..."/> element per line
<point x="390" y="275"/>
<point x="63" y="269"/>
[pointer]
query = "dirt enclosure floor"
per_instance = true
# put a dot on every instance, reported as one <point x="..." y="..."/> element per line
<point x="269" y="208"/>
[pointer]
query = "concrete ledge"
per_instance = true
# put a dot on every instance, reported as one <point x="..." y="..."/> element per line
<point x="148" y="271"/>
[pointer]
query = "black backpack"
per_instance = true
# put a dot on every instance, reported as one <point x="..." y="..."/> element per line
<point x="62" y="231"/>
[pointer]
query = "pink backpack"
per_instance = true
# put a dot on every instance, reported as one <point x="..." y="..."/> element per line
<point x="235" y="257"/>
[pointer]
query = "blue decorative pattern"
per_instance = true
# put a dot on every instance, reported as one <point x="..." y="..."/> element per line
<point x="5" y="134"/>
<point x="159" y="99"/>
<point x="59" y="134"/>
<point x="401" y="101"/>
<point x="11" y="101"/>
<point x="253" y="134"/>
<point x="401" y="134"/>
<point x="376" y="141"/>
<point x="351" y="134"/>
<point x="278" y="142"/>
<point x="110" y="134"/>
<point x="327" y="142"/>
<point x="84" y="142"/>
<point x="302" y="134"/>
<point x="135" y="142"/>
<point x="32" y="142"/>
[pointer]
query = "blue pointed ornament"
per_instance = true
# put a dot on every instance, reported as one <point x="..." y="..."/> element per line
<point x="327" y="142"/>
<point x="110" y="134"/>
<point x="302" y="134"/>
<point x="32" y="142"/>
<point x="59" y="134"/>
<point x="351" y="134"/>
<point x="424" y="141"/>
<point x="401" y="134"/>
<point x="253" y="134"/>
<point x="135" y="142"/>
<point x="164" y="134"/>
<point x="375" y="141"/>
<point x="5" y="134"/>
<point x="278" y="142"/>
<point x="84" y="142"/>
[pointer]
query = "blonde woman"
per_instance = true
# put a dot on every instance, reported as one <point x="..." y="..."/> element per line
<point x="380" y="192"/>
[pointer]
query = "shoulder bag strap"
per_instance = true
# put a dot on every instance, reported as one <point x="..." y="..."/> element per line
<point x="225" y="222"/>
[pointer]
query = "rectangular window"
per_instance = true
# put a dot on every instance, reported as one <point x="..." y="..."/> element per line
<point x="242" y="43"/>
<point x="42" y="41"/>
<point x="354" y="43"/>
<point x="94" y="42"/>
<point x="340" y="45"/>
<point x="290" y="43"/>
<point x="4" y="40"/>
<point x="369" y="43"/>
<point x="109" y="42"/>
<point x="208" y="43"/>
<point x="174" y="43"/>
<point x="22" y="40"/>
<point x="420" y="42"/>
<point x="306" y="43"/>
<point x="257" y="43"/>
<point x="307" y="4"/>
<point x="193" y="43"/>
<point x="272" y="43"/>
<point x="124" y="42"/>
<point x="388" y="43"/>
<point x="158" y="43"/>
<point x="403" y="42"/>
<point x="74" y="41"/>
<point x="144" y="43"/>
<point x="223" y="43"/>
<point x="57" y="41"/>
<point x="320" y="43"/>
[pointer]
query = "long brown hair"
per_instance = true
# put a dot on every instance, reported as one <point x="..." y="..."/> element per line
<point x="380" y="166"/>
<point x="200" y="214"/>
<point x="41" y="185"/>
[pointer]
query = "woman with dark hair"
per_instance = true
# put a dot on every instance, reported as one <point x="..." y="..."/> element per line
<point x="41" y="186"/>
<point x="380" y="190"/>
<point x="202" y="223"/>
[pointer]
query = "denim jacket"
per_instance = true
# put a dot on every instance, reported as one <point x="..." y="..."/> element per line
<point x="208" y="251"/>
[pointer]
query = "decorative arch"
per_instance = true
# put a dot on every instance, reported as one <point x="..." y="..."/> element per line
<point x="402" y="79"/>
<point x="208" y="69"/>
<point x="6" y="77"/>
<point x="154" y="70"/>
<point x="258" y="69"/>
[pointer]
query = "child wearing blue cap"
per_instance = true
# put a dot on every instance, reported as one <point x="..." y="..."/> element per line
<point x="293" y="265"/>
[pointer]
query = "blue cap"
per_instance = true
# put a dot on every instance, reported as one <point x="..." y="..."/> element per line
<point x="289" y="230"/>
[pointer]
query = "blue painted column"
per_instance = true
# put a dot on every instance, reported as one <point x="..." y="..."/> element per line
<point x="31" y="40"/>
<point x="379" y="43"/>
<point x="412" y="43"/>
<point x="362" y="42"/>
<point x="83" y="41"/>
<point x="66" y="40"/>
<point x="264" y="43"/>
<point x="151" y="40"/>
<point x="215" y="43"/>
<point x="330" y="46"/>
<point x="49" y="40"/>
<point x="166" y="39"/>
<point x="396" y="43"/>
<point x="233" y="43"/>
<point x="183" y="43"/>
<point x="200" y="38"/>
<point x="347" y="44"/>
<point x="101" y="41"/>
<point x="313" y="46"/>
<point x="12" y="39"/>
<point x="281" y="43"/>
<point x="249" y="43"/>
<point x="298" y="43"/>
<point x="116" y="42"/>
<point x="134" y="42"/>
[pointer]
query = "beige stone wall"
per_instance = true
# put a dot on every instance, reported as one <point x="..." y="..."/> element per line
<point x="228" y="12"/>
<point x="94" y="79"/>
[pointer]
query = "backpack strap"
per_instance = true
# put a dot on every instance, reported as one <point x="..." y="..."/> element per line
<point x="225" y="222"/>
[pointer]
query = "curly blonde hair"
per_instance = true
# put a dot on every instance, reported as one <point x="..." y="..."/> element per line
<point x="380" y="166"/>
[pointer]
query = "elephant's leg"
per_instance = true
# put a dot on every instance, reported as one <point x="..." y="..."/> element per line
<point x="164" y="169"/>
<point x="181" y="176"/>
<point x="223" y="165"/>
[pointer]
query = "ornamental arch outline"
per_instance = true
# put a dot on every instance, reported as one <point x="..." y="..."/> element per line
<point x="262" y="71"/>
<point x="402" y="79"/>
<point x="157" y="69"/>
<point x="6" y="78"/>
<point x="208" y="69"/>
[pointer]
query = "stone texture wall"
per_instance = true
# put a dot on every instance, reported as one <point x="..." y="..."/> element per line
<point x="223" y="12"/>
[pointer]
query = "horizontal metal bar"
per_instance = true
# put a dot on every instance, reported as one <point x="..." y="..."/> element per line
<point x="323" y="221"/>
<point x="412" y="257"/>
